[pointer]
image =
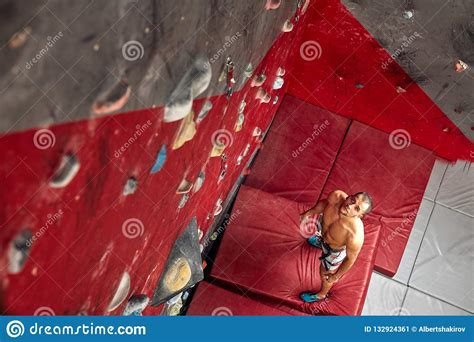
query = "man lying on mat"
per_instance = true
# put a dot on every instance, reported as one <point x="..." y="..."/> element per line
<point x="340" y="235"/>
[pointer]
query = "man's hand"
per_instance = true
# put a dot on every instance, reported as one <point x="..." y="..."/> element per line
<point x="332" y="278"/>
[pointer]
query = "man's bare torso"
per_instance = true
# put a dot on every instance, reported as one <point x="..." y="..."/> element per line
<point x="337" y="229"/>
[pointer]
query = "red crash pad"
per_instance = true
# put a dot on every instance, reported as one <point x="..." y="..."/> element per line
<point x="213" y="300"/>
<point x="396" y="179"/>
<point x="300" y="149"/>
<point x="265" y="252"/>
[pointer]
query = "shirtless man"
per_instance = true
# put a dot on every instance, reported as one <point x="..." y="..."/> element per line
<point x="340" y="236"/>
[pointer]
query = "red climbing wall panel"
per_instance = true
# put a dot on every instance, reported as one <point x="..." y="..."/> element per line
<point x="339" y="68"/>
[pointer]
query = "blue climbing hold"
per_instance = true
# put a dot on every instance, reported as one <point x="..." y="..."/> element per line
<point x="160" y="160"/>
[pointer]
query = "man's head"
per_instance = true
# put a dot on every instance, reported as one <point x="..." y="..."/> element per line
<point x="357" y="205"/>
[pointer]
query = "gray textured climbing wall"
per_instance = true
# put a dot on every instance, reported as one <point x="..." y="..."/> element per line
<point x="434" y="42"/>
<point x="70" y="60"/>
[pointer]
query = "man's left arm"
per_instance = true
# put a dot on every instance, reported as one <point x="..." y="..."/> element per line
<point x="353" y="248"/>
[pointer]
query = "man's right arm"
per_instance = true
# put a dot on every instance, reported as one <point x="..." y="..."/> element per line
<point x="319" y="207"/>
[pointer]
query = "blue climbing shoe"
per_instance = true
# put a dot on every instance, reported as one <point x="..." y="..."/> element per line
<point x="309" y="297"/>
<point x="315" y="241"/>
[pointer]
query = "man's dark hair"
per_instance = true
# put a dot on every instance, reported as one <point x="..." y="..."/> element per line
<point x="366" y="199"/>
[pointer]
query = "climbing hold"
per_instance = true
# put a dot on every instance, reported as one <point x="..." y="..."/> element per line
<point x="121" y="292"/>
<point x="183" y="201"/>
<point x="178" y="275"/>
<point x="173" y="306"/>
<point x="400" y="90"/>
<point x="135" y="305"/>
<point x="408" y="14"/>
<point x="461" y="66"/>
<point x="246" y="150"/>
<point x="239" y="159"/>
<point x="19" y="251"/>
<point x="66" y="171"/>
<point x="257" y="131"/>
<point x="222" y="173"/>
<point x="446" y="129"/>
<point x="229" y="72"/>
<point x="186" y="131"/>
<point x="200" y="234"/>
<point x="199" y="181"/>
<point x="19" y="38"/>
<point x="160" y="160"/>
<point x="184" y="187"/>
<point x="217" y="149"/>
<point x="113" y="99"/>
<point x="278" y="83"/>
<point x="206" y="107"/>
<point x="130" y="186"/>
<point x="218" y="207"/>
<point x="272" y="4"/>
<point x="258" y="80"/>
<point x="275" y="100"/>
<point x="194" y="82"/>
<point x="280" y="72"/>
<point x="287" y="26"/>
<point x="359" y="85"/>
<point x="239" y="122"/>
<point x="263" y="96"/>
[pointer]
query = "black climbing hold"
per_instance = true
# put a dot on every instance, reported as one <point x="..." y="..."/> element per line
<point x="19" y="251"/>
<point x="66" y="171"/>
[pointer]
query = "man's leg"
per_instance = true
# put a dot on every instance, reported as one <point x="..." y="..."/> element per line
<point x="325" y="287"/>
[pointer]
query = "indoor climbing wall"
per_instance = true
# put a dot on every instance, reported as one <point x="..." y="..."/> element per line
<point x="97" y="208"/>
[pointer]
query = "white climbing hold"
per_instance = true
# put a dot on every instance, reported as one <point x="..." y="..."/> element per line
<point x="121" y="293"/>
<point x="194" y="82"/>
<point x="287" y="26"/>
<point x="263" y="96"/>
<point x="278" y="82"/>
<point x="67" y="170"/>
<point x="206" y="107"/>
